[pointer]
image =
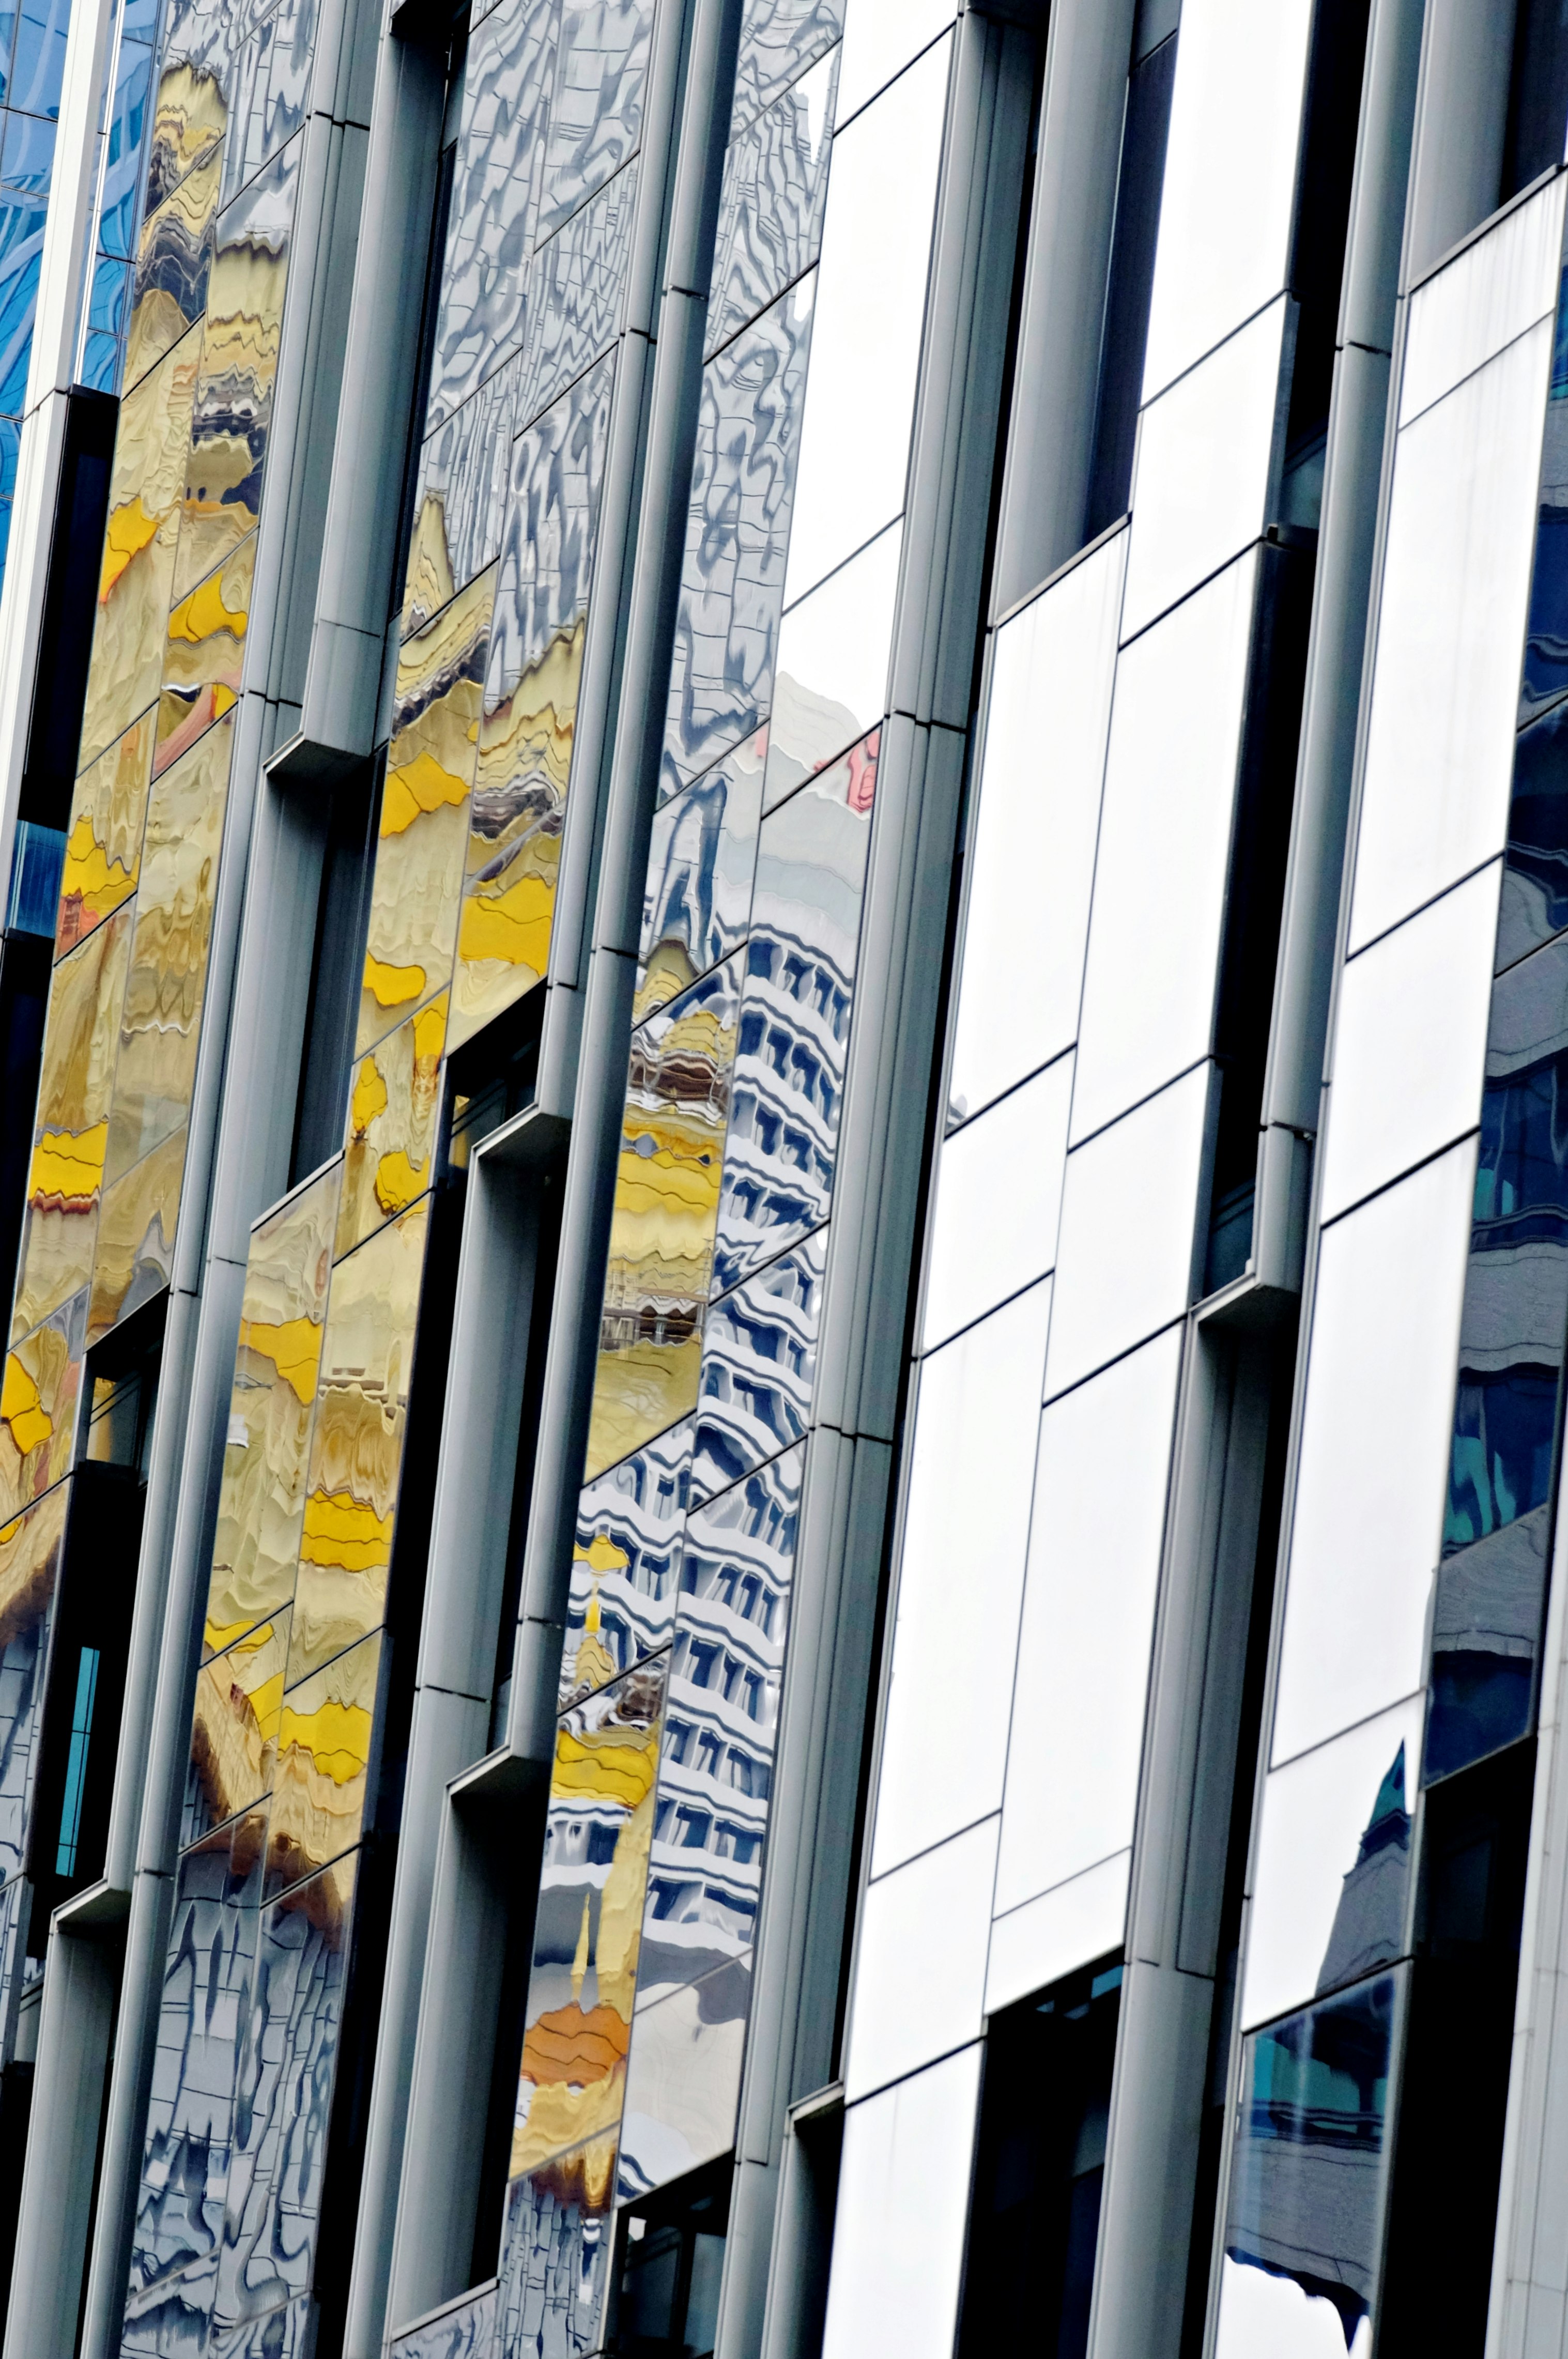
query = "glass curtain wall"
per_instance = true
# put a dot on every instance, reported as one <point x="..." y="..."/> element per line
<point x="32" y="68"/>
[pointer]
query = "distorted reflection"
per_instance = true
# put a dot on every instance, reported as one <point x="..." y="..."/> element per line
<point x="319" y="1785"/>
<point x="779" y="38"/>
<point x="103" y="845"/>
<point x="1546" y="637"/>
<point x="591" y="1887"/>
<point x="135" y="1256"/>
<point x="460" y="498"/>
<point x="205" y="655"/>
<point x="595" y="116"/>
<point x="40" y="1394"/>
<point x="172" y="264"/>
<point x="1486" y="1633"/>
<point x="700" y="863"/>
<point x="667" y="1201"/>
<point x="465" y="2331"/>
<point x="269" y="87"/>
<point x="356" y="1443"/>
<point x="530" y="712"/>
<point x="575" y="285"/>
<point x="1535" y="874"/>
<point x="233" y="1728"/>
<point x="29" y="1576"/>
<point x="626" y="1567"/>
<point x="770" y="210"/>
<point x="684" y="2080"/>
<point x="423" y="831"/>
<point x="392" y="1111"/>
<point x="833" y="665"/>
<point x="555" y="2242"/>
<point x="759" y="1363"/>
<point x="1516" y="1294"/>
<point x="1369" y="1927"/>
<point x="794" y="1022"/>
<point x="738" y="535"/>
<point x="1308" y="2179"/>
<point x="277" y="1367"/>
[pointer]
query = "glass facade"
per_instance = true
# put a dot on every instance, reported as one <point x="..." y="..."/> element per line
<point x="782" y="1004"/>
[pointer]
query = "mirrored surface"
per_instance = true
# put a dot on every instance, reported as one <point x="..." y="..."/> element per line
<point x="770" y="208"/>
<point x="832" y="682"/>
<point x="356" y="1442"/>
<point x="576" y="284"/>
<point x="460" y="497"/>
<point x="1124" y="1254"/>
<point x="269" y="93"/>
<point x="1486" y="1621"/>
<point x="1535" y="871"/>
<point x="997" y="1201"/>
<point x="716" y="1767"/>
<point x="970" y="1478"/>
<point x="920" y="1968"/>
<point x="422" y="836"/>
<point x="1455" y="584"/>
<point x="795" y="1016"/>
<point x="1374" y="1453"/>
<point x="394" y="1103"/>
<point x="41" y="1397"/>
<point x="466" y="2330"/>
<point x="555" y="2249"/>
<point x="266" y="1444"/>
<point x="1031" y="858"/>
<point x="760" y="1362"/>
<point x="1235" y="123"/>
<point x="1060" y="1930"/>
<point x="880" y="37"/>
<point x="684" y="2080"/>
<point x="29" y="1576"/>
<point x="103" y="844"/>
<point x="204" y="658"/>
<point x="1332" y="1890"/>
<point x="1164" y="852"/>
<point x="738" y="534"/>
<point x="595" y="116"/>
<point x="135" y="1256"/>
<point x="871" y="288"/>
<point x="1490" y="293"/>
<point x="319" y="1778"/>
<point x="1409" y="1042"/>
<point x="660" y="1267"/>
<point x="233" y="1729"/>
<point x="626" y="1565"/>
<point x="700" y="863"/>
<point x="172" y="263"/>
<point x="903" y="2201"/>
<point x="1095" y="1538"/>
<point x="778" y="39"/>
<point x="1303" y="2229"/>
<point x="586" y="1934"/>
<point x="1546" y="642"/>
<point x="1205" y="451"/>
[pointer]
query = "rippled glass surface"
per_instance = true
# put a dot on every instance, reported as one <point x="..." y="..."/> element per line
<point x="1408" y="1043"/>
<point x="779" y="38"/>
<point x="595" y="116"/>
<point x="794" y="1017"/>
<point x="233" y="1728"/>
<point x="460" y="497"/>
<point x="1332" y="1889"/>
<point x="738" y="534"/>
<point x="1164" y="850"/>
<point x="170" y="291"/>
<point x="759" y="1363"/>
<point x="831" y="680"/>
<point x="1304" y="2227"/>
<point x="38" y="1406"/>
<point x="1032" y="856"/>
<point x="626" y="1565"/>
<point x="1095" y="1537"/>
<point x="1535" y="871"/>
<point x="576" y="282"/>
<point x="919" y="1966"/>
<point x="1374" y="1453"/>
<point x="971" y="1474"/>
<point x="103" y="844"/>
<point x="684" y="2080"/>
<point x="701" y="863"/>
<point x="271" y="85"/>
<point x="1124" y="1254"/>
<point x="1451" y="621"/>
<point x="555" y="2250"/>
<point x="320" y="1780"/>
<point x="392" y="1106"/>
<point x="903" y="2201"/>
<point x="855" y="445"/>
<point x="998" y="1195"/>
<point x="1235" y="121"/>
<point x="770" y="208"/>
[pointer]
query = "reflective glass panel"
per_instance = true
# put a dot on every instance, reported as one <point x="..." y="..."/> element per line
<point x="172" y="262"/>
<point x="555" y="2245"/>
<point x="832" y="682"/>
<point x="1486" y="1633"/>
<point x="970" y="1477"/>
<point x="919" y="1966"/>
<point x="1063" y="1929"/>
<point x="1374" y="1450"/>
<point x="460" y="497"/>
<point x="1332" y="1889"/>
<point x="684" y="2080"/>
<point x="1095" y="1537"/>
<point x="321" y="1781"/>
<point x="1546" y="644"/>
<point x="1451" y="621"/>
<point x="1031" y="858"/>
<point x="1499" y="285"/>
<point x="576" y="284"/>
<point x="759" y="1363"/>
<point x="998" y="1193"/>
<point x="595" y="116"/>
<point x="29" y="1575"/>
<point x="233" y="1728"/>
<point x="770" y="210"/>
<point x="855" y="446"/>
<point x="626" y="1567"/>
<point x="271" y="85"/>
<point x="1535" y="873"/>
<point x="903" y="2200"/>
<point x="880" y="37"/>
<point x="41" y="1395"/>
<point x="1164" y="852"/>
<point x="1408" y="1043"/>
<point x="393" y="1105"/>
<point x="103" y="846"/>
<point x="697" y="904"/>
<point x="779" y="38"/>
<point x="134" y="1257"/>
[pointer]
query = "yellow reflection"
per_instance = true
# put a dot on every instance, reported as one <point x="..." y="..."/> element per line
<point x="323" y="1751"/>
<point x="29" y="1563"/>
<point x="103" y="844"/>
<point x="81" y="1038"/>
<point x="188" y="113"/>
<point x="39" y="1393"/>
<point x="206" y="658"/>
<point x="235" y="1722"/>
<point x="392" y="1125"/>
<point x="172" y="262"/>
<point x="134" y="1259"/>
<point x="276" y="1368"/>
<point x="424" y="812"/>
<point x="356" y="1448"/>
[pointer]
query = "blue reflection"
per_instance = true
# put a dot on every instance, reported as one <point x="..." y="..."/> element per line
<point x="1486" y="1623"/>
<point x="39" y="70"/>
<point x="1546" y="642"/>
<point x="27" y="159"/>
<point x="1535" y="881"/>
<point x="21" y="251"/>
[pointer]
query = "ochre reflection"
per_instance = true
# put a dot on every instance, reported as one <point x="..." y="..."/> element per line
<point x="392" y="1115"/>
<point x="40" y="1392"/>
<point x="323" y="1751"/>
<point x="234" y="1724"/>
<point x="103" y="844"/>
<point x="205" y="655"/>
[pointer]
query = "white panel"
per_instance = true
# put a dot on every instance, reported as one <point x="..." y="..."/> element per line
<point x="866" y="330"/>
<point x="830" y="684"/>
<point x="880" y="37"/>
<point x="1081" y="1919"/>
<point x="919" y="1967"/>
<point x="1230" y="176"/>
<point x="1485" y="298"/>
<point x="903" y="2205"/>
<point x="1201" y="493"/>
<point x="1165" y="830"/>
<point x="1374" y="1456"/>
<point x="960" y="1576"/>
<point x="1262" y="2313"/>
<point x="1124" y="1257"/>
<point x="1410" y="1043"/>
<point x="1450" y="638"/>
<point x="998" y="1193"/>
<point x="1315" y="1812"/>
<point x="1088" y="1623"/>
<point x="1033" y="860"/>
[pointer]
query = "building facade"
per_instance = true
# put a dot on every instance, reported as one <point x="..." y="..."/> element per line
<point x="785" y="791"/>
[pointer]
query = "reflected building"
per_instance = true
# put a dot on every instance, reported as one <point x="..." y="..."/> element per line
<point x="784" y="802"/>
